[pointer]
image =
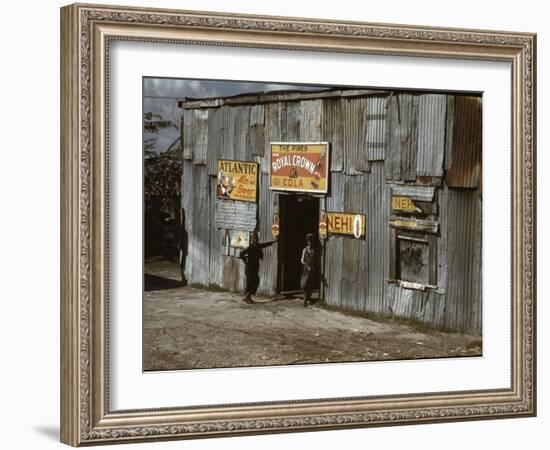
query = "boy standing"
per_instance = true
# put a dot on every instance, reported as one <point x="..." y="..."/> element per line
<point x="310" y="263"/>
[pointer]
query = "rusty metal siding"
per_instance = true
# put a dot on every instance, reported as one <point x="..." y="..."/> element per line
<point x="256" y="140"/>
<point x="354" y="127"/>
<point x="466" y="150"/>
<point x="199" y="238"/>
<point x="401" y="137"/>
<point x="354" y="270"/>
<point x="268" y="266"/>
<point x="227" y="125"/>
<point x="188" y="134"/>
<point x="257" y="115"/>
<point x="392" y="161"/>
<point x="422" y="306"/>
<point x="214" y="150"/>
<point x="290" y="116"/>
<point x="377" y="208"/>
<point x="187" y="195"/>
<point x="464" y="266"/>
<point x="242" y="151"/>
<point x="449" y="131"/>
<point x="201" y="138"/>
<point x="408" y="135"/>
<point x="357" y="269"/>
<point x="310" y="120"/>
<point x="431" y="134"/>
<point x="420" y="193"/>
<point x="216" y="242"/>
<point x="375" y="117"/>
<point x="272" y="133"/>
<point x="332" y="131"/>
<point x="334" y="245"/>
<point x="234" y="214"/>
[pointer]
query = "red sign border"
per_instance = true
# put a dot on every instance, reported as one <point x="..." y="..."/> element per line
<point x="311" y="191"/>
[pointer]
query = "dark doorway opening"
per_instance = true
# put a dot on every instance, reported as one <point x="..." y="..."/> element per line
<point x="298" y="215"/>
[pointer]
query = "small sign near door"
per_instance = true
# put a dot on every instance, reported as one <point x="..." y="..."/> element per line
<point x="299" y="166"/>
<point x="346" y="223"/>
<point x="275" y="226"/>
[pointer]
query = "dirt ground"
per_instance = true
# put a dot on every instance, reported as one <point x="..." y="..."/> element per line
<point x="187" y="328"/>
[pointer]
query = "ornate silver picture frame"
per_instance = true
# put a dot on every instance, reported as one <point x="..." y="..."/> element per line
<point x="87" y="34"/>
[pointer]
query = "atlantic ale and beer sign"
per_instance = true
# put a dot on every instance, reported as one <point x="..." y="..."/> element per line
<point x="299" y="166"/>
<point x="237" y="180"/>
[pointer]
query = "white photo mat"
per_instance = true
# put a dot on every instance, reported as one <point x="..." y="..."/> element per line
<point x="130" y="388"/>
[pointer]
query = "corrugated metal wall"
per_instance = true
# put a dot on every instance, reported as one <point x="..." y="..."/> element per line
<point x="377" y="141"/>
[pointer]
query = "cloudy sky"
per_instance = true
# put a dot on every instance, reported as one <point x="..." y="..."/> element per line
<point x="161" y="95"/>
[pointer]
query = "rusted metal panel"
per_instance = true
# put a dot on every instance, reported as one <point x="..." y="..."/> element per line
<point x="408" y="135"/>
<point x="257" y="115"/>
<point x="256" y="139"/>
<point x="215" y="277"/>
<point x="334" y="245"/>
<point x="232" y="277"/>
<point x="375" y="117"/>
<point x="420" y="193"/>
<point x="235" y="215"/>
<point x="376" y="199"/>
<point x="401" y="137"/>
<point x="310" y="120"/>
<point x="354" y="136"/>
<point x="392" y="162"/>
<point x="199" y="238"/>
<point x="290" y="117"/>
<point x="419" y="225"/>
<point x="422" y="306"/>
<point x="271" y="97"/>
<point x="463" y="261"/>
<point x="449" y="131"/>
<point x="188" y="134"/>
<point x="354" y="270"/>
<point x="214" y="151"/>
<point x="272" y="134"/>
<point x="200" y="140"/>
<point x="431" y="134"/>
<point x="357" y="270"/>
<point x="228" y="132"/>
<point x="268" y="266"/>
<point x="332" y="132"/>
<point x="466" y="151"/>
<point x="240" y="133"/>
<point x="187" y="195"/>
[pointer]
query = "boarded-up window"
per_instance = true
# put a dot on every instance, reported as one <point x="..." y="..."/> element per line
<point x="413" y="260"/>
<point x="413" y="232"/>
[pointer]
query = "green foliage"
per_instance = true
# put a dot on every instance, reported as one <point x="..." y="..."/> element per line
<point x="162" y="170"/>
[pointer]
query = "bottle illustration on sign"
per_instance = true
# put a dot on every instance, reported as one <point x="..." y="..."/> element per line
<point x="317" y="169"/>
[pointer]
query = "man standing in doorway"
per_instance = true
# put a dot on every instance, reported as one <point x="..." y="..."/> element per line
<point x="251" y="257"/>
<point x="310" y="263"/>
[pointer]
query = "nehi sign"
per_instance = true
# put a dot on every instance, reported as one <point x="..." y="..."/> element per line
<point x="345" y="223"/>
